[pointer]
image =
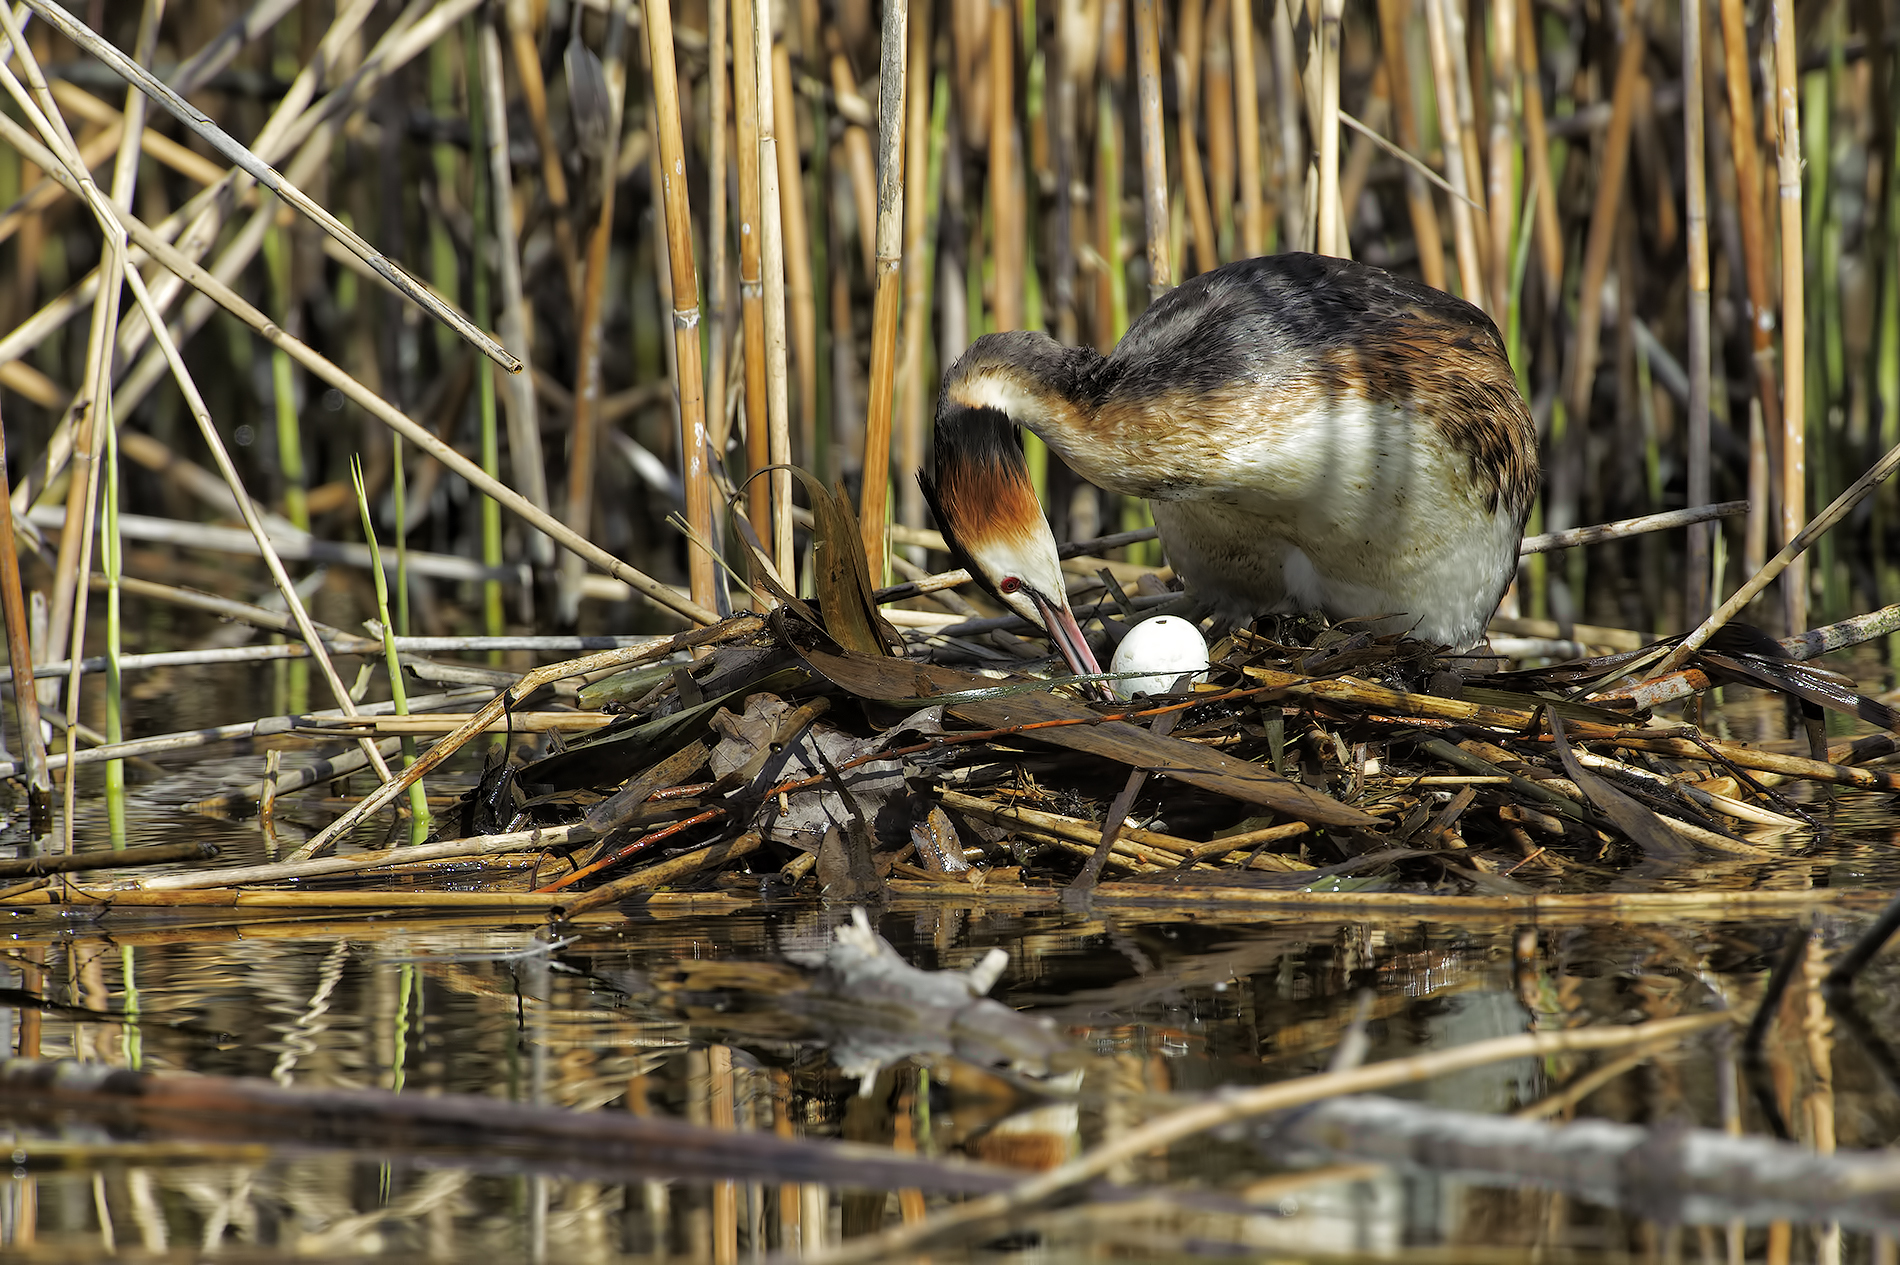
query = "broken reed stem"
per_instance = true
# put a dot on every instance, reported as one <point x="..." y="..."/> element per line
<point x="1794" y="465"/>
<point x="920" y="93"/>
<point x="1394" y="17"/>
<point x="1188" y="58"/>
<point x="1329" y="232"/>
<point x="690" y="380"/>
<point x="1154" y="155"/>
<point x="874" y="501"/>
<point x="776" y="159"/>
<point x="1613" y="160"/>
<point x="1246" y="95"/>
<point x="1697" y="593"/>
<point x="747" y="118"/>
<point x="1006" y="243"/>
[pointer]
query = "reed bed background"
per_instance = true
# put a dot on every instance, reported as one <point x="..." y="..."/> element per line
<point x="721" y="239"/>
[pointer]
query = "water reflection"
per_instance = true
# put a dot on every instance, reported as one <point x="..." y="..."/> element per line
<point x="660" y="1016"/>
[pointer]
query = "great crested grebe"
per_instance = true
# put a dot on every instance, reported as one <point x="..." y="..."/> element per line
<point x="1312" y="434"/>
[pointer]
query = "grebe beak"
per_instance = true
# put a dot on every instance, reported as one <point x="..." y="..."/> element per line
<point x="1060" y="623"/>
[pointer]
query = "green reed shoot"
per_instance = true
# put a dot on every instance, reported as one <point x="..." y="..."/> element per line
<point x="418" y="798"/>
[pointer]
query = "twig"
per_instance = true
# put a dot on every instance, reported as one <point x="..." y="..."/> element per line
<point x="1412" y="162"/>
<point x="1552" y="541"/>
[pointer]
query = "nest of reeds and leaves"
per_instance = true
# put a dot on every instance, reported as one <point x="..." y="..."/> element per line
<point x="725" y="262"/>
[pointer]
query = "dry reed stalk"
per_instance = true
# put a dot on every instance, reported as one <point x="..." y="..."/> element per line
<point x="1187" y="69"/>
<point x="859" y="162"/>
<point x="1462" y="41"/>
<point x="1696" y="597"/>
<point x="1111" y="304"/>
<point x="524" y="428"/>
<point x="1612" y="162"/>
<point x="1154" y="146"/>
<point x="1245" y="92"/>
<point x="716" y="279"/>
<point x="372" y="403"/>
<point x="912" y="420"/>
<point x="802" y="304"/>
<point x="1358" y="166"/>
<point x="534" y="95"/>
<point x="197" y="122"/>
<point x="1755" y="533"/>
<point x="775" y="161"/>
<point x="1743" y="144"/>
<point x="1501" y="167"/>
<point x="747" y="117"/>
<point x="1550" y="242"/>
<point x="1288" y="97"/>
<point x="888" y="297"/>
<point x="1471" y="283"/>
<point x="94" y="402"/>
<point x="690" y="380"/>
<point x="1329" y="235"/>
<point x="39" y="780"/>
<point x="1393" y="20"/>
<point x="195" y="226"/>
<point x="1006" y="239"/>
<point x="1217" y="104"/>
<point x="589" y="315"/>
<point x="1794" y="412"/>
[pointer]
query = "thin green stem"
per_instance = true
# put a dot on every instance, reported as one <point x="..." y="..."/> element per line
<point x="399" y="696"/>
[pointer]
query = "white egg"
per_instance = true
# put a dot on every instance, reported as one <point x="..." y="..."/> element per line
<point x="1165" y="647"/>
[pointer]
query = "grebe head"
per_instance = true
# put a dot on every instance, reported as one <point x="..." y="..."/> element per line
<point x="987" y="509"/>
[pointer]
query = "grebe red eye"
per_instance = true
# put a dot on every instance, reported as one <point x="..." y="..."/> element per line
<point x="1010" y="584"/>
